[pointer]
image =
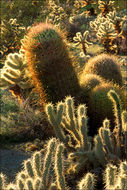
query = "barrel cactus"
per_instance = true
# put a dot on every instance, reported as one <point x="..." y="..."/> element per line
<point x="106" y="66"/>
<point x="50" y="63"/>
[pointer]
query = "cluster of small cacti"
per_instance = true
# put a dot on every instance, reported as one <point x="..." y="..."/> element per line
<point x="108" y="145"/>
<point x="99" y="86"/>
<point x="110" y="31"/>
<point x="45" y="170"/>
<point x="105" y="6"/>
<point x="38" y="173"/>
<point x="11" y="33"/>
<point x="57" y="15"/>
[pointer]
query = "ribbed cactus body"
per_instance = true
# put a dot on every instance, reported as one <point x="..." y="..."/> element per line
<point x="50" y="63"/>
<point x="106" y="66"/>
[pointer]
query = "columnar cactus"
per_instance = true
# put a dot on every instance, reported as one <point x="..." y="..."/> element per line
<point x="50" y="63"/>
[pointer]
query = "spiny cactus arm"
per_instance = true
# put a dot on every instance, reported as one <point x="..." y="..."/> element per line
<point x="28" y="168"/>
<point x="105" y="135"/>
<point x="122" y="182"/>
<point x="55" y="119"/>
<point x="117" y="109"/>
<point x="59" y="168"/>
<point x="47" y="162"/>
<point x="87" y="182"/>
<point x="15" y="61"/>
<point x="123" y="168"/>
<point x="124" y="117"/>
<point x="106" y="30"/>
<point x="110" y="176"/>
<point x="37" y="164"/>
<point x="37" y="183"/>
<point x="83" y="133"/>
<point x="69" y="120"/>
<point x="124" y="129"/>
<point x="29" y="184"/>
<point x="20" y="184"/>
<point x="82" y="39"/>
<point x="99" y="150"/>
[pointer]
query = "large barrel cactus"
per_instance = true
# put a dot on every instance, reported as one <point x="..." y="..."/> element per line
<point x="50" y="63"/>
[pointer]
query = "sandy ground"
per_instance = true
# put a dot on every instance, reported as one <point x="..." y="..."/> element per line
<point x="11" y="162"/>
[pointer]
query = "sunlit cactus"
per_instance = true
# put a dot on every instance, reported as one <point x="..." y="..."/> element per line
<point x="80" y="39"/>
<point x="105" y="6"/>
<point x="106" y="33"/>
<point x="59" y="168"/>
<point x="57" y="14"/>
<point x="50" y="63"/>
<point x="87" y="182"/>
<point x="110" y="176"/>
<point x="11" y="33"/>
<point x="116" y="178"/>
<point x="117" y="109"/>
<point x="95" y="24"/>
<point x="13" y="70"/>
<point x="106" y="66"/>
<point x="116" y="20"/>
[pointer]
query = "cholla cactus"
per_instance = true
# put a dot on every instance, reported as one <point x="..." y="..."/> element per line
<point x="106" y="33"/>
<point x="107" y="145"/>
<point x="105" y="6"/>
<point x="114" y="179"/>
<point x="115" y="20"/>
<point x="11" y="33"/>
<point x="80" y="39"/>
<point x="14" y="71"/>
<point x="57" y="15"/>
<point x="96" y="23"/>
<point x="36" y="174"/>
